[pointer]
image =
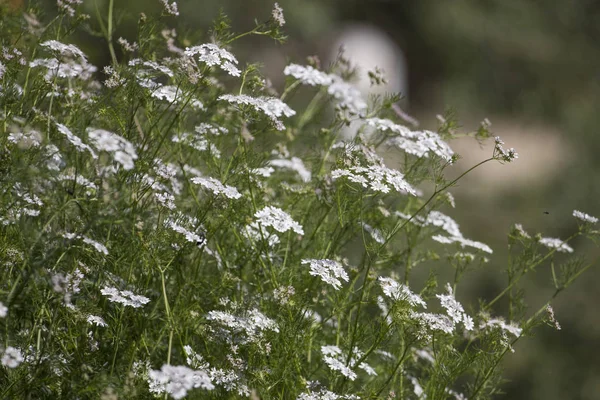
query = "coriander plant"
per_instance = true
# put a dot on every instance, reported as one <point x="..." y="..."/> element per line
<point x="172" y="226"/>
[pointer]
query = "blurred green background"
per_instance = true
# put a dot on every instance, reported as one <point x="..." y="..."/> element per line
<point x="531" y="67"/>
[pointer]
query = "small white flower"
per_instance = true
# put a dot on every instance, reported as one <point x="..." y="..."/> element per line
<point x="174" y="95"/>
<point x="152" y="65"/>
<point x="330" y="271"/>
<point x="502" y="154"/>
<point x="308" y="75"/>
<point x="99" y="247"/>
<point x="559" y="245"/>
<point x="272" y="107"/>
<point x="551" y="317"/>
<point x="423" y="144"/>
<point x="96" y="320"/>
<point x="26" y="140"/>
<point x="387" y="125"/>
<point x="68" y="50"/>
<point x="125" y="297"/>
<point x="122" y="150"/>
<point x="254" y="324"/>
<point x="347" y="96"/>
<point x="277" y="15"/>
<point x="130" y="47"/>
<point x="170" y="8"/>
<point x="177" y="380"/>
<point x="377" y="178"/>
<point x="294" y="164"/>
<point x="278" y="220"/>
<point x="213" y="55"/>
<point x="398" y="291"/>
<point x="75" y="140"/>
<point x="166" y="199"/>
<point x="454" y="309"/>
<point x="68" y="6"/>
<point x="217" y="187"/>
<point x="499" y="323"/>
<point x="3" y="310"/>
<point x="584" y="217"/>
<point x="435" y="322"/>
<point x="333" y="357"/>
<point x="12" y="357"/>
<point x="190" y="236"/>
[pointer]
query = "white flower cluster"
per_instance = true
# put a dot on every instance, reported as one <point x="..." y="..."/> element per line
<point x="277" y="219"/>
<point x="152" y="65"/>
<point x="177" y="225"/>
<point x="272" y="107"/>
<point x="177" y="380"/>
<point x="422" y="144"/>
<point x="80" y="180"/>
<point x="12" y="357"/>
<point x="68" y="285"/>
<point x="295" y="164"/>
<point x="68" y="6"/>
<point x="212" y="55"/>
<point x="450" y="226"/>
<point x="504" y="155"/>
<point x="166" y="200"/>
<point x="454" y="309"/>
<point x="122" y="150"/>
<point x="65" y="50"/>
<point x="400" y="292"/>
<point x="433" y="322"/>
<point x="26" y="140"/>
<point x="324" y="394"/>
<point x="75" y="140"/>
<point x="25" y="203"/>
<point x="308" y="75"/>
<point x="217" y="187"/>
<point x="443" y="323"/>
<point x="96" y="320"/>
<point x="330" y="271"/>
<point x="230" y="380"/>
<point x="499" y="323"/>
<point x="277" y="15"/>
<point x="376" y="177"/>
<point x="3" y="310"/>
<point x="197" y="141"/>
<point x="66" y="67"/>
<point x="559" y="245"/>
<point x="170" y="8"/>
<point x="384" y="125"/>
<point x="99" y="247"/>
<point x="125" y="297"/>
<point x="215" y="130"/>
<point x="374" y="232"/>
<point x="174" y="95"/>
<point x="336" y="361"/>
<point x="347" y="96"/>
<point x="253" y="324"/>
<point x="584" y="217"/>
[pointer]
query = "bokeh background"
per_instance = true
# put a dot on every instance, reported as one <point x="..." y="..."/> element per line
<point x="531" y="67"/>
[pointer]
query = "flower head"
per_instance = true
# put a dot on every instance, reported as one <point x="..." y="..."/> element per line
<point x="272" y="107"/>
<point x="584" y="217"/>
<point x="330" y="271"/>
<point x="213" y="55"/>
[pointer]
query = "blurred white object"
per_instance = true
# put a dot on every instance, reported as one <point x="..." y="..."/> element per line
<point x="367" y="47"/>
